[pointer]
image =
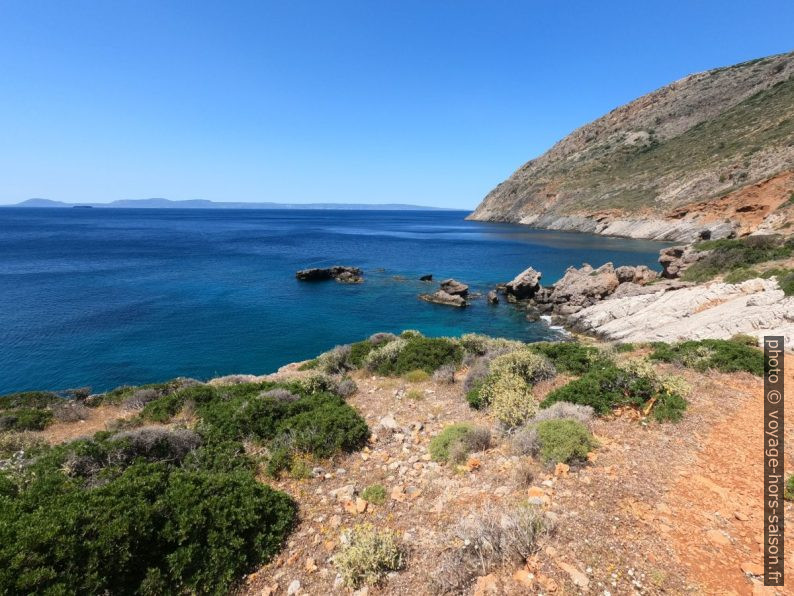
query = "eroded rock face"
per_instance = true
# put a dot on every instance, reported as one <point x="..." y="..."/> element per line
<point x="442" y="297"/>
<point x="454" y="287"/>
<point x="525" y="284"/>
<point x="341" y="273"/>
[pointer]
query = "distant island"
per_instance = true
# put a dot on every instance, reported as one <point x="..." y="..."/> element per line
<point x="205" y="204"/>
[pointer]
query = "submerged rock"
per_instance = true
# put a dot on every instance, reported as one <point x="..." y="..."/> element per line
<point x="341" y="273"/>
<point x="428" y="277"/>
<point x="493" y="298"/>
<point x="442" y="297"/>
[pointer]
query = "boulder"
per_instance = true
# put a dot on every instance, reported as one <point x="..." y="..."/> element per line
<point x="525" y="285"/>
<point x="675" y="259"/>
<point x="454" y="287"/>
<point x="492" y="297"/>
<point x="640" y="274"/>
<point x="580" y="288"/>
<point x="442" y="297"/>
<point x="426" y="278"/>
<point x="340" y="273"/>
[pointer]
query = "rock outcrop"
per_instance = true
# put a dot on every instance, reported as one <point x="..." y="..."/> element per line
<point x="717" y="310"/>
<point x="454" y="287"/>
<point x="341" y="273"/>
<point x="524" y="285"/>
<point x="707" y="156"/>
<point x="676" y="259"/>
<point x="442" y="297"/>
<point x="492" y="297"/>
<point x="428" y="277"/>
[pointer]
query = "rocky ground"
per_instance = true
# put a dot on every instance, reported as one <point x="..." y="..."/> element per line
<point x="673" y="508"/>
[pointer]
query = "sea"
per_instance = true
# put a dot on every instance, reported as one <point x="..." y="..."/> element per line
<point x="107" y="297"/>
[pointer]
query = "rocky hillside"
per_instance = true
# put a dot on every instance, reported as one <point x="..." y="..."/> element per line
<point x="709" y="155"/>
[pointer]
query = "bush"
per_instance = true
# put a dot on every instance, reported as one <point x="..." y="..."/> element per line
<point x="528" y="365"/>
<point x="669" y="407"/>
<point x="525" y="440"/>
<point x="346" y="387"/>
<point x="336" y="361"/>
<point x="569" y="356"/>
<point x="705" y="354"/>
<point x="383" y="357"/>
<point x="788" y="493"/>
<point x="139" y="399"/>
<point x="739" y="275"/>
<point x="453" y="444"/>
<point x="509" y="397"/>
<point x="70" y="411"/>
<point x="633" y="384"/>
<point x="375" y="494"/>
<point x="411" y="334"/>
<point x="477" y="373"/>
<point x="416" y="376"/>
<point x="425" y="353"/>
<point x="746" y="339"/>
<point x="360" y="350"/>
<point x="26" y="419"/>
<point x="729" y="255"/>
<point x="28" y="399"/>
<point x="309" y="365"/>
<point x="377" y="339"/>
<point x="487" y="539"/>
<point x="564" y="441"/>
<point x="562" y="410"/>
<point x="368" y="555"/>
<point x="153" y="529"/>
<point x="445" y="374"/>
<point x="280" y="394"/>
<point x="481" y="345"/>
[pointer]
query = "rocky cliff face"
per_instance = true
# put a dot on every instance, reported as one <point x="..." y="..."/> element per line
<point x="709" y="155"/>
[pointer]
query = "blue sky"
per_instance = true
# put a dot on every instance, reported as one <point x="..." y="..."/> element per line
<point x="426" y="102"/>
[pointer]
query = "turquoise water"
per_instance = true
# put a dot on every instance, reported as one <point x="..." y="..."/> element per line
<point x="104" y="297"/>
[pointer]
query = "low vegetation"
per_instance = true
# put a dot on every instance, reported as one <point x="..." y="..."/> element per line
<point x="454" y="444"/>
<point x="732" y="355"/>
<point x="554" y="440"/>
<point x="487" y="539"/>
<point x="734" y="257"/>
<point x="633" y="384"/>
<point x="367" y="555"/>
<point x="375" y="494"/>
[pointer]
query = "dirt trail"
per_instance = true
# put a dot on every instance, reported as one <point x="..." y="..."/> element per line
<point x="716" y="504"/>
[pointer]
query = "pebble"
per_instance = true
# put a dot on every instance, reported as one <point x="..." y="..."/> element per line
<point x="294" y="587"/>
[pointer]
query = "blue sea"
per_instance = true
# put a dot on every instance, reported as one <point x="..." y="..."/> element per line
<point x="104" y="297"/>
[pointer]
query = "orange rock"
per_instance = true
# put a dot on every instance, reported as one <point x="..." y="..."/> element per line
<point x="717" y="538"/>
<point x="547" y="583"/>
<point x="752" y="568"/>
<point x="592" y="456"/>
<point x="561" y="469"/>
<point x="487" y="584"/>
<point x="524" y="577"/>
<point x="535" y="491"/>
<point x="473" y="464"/>
<point x="310" y="565"/>
<point x="350" y="507"/>
<point x="361" y="505"/>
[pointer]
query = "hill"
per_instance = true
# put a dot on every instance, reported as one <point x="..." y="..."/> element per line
<point x="709" y="155"/>
<point x="205" y="204"/>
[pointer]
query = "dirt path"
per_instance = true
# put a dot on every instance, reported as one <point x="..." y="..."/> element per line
<point x="716" y="504"/>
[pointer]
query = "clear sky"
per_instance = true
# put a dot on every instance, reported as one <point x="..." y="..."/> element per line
<point x="425" y="102"/>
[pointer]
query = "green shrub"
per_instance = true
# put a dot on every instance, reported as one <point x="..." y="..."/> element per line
<point x="739" y="275"/>
<point x="441" y="443"/>
<point x="153" y="529"/>
<point x="367" y="555"/>
<point x="569" y="356"/>
<point x="474" y="397"/>
<point x="411" y="334"/>
<point x="335" y="361"/>
<point x="564" y="441"/>
<point x="309" y="365"/>
<point x="727" y="255"/>
<point x="477" y="344"/>
<point x="425" y="353"/>
<point x="509" y="398"/>
<point x="359" y="351"/>
<point x="26" y="419"/>
<point x="28" y="399"/>
<point x="375" y="494"/>
<point x="632" y="384"/>
<point x="669" y="407"/>
<point x="530" y="366"/>
<point x="746" y="339"/>
<point x="625" y="347"/>
<point x="705" y="354"/>
<point x="453" y="444"/>
<point x="416" y="376"/>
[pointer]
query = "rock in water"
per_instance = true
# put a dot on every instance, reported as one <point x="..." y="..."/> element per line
<point x="492" y="297"/>
<point x="580" y="288"/>
<point x="442" y="297"/>
<point x="525" y="284"/>
<point x="341" y="273"/>
<point x="426" y="278"/>
<point x="454" y="287"/>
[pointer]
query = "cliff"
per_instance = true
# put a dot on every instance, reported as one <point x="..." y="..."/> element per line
<point x="709" y="155"/>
